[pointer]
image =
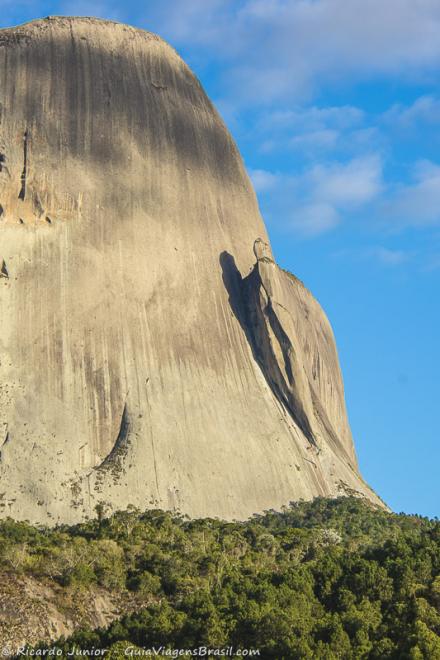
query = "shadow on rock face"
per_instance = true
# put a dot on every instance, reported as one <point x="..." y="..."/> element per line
<point x="254" y="311"/>
<point x="89" y="117"/>
<point x="233" y="283"/>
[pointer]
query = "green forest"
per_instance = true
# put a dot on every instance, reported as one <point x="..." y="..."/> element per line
<point x="321" y="580"/>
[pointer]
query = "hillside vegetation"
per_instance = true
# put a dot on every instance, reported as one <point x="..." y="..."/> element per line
<point x="323" y="579"/>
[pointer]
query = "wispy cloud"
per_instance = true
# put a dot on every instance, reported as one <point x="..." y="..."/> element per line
<point x="316" y="165"/>
<point x="424" y="110"/>
<point x="275" y="49"/>
<point x="380" y="254"/>
<point x="387" y="256"/>
<point x="347" y="184"/>
<point x="314" y="218"/>
<point x="263" y="180"/>
<point x="416" y="204"/>
<point x="311" y="131"/>
<point x="315" y="141"/>
<point x="322" y="196"/>
<point x="316" y="200"/>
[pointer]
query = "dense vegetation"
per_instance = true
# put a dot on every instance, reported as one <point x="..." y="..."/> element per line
<point x="326" y="579"/>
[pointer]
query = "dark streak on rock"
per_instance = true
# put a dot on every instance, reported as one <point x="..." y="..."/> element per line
<point x="5" y="442"/>
<point x="22" y="193"/>
<point x="4" y="270"/>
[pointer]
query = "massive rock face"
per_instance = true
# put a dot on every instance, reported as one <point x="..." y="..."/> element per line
<point x="152" y="352"/>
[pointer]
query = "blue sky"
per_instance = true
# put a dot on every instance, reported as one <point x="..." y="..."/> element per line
<point x="335" y="105"/>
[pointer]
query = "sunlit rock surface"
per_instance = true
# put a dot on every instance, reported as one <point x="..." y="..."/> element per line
<point x="152" y="353"/>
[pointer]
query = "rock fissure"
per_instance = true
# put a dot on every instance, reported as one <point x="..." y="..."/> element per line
<point x="22" y="193"/>
<point x="114" y="459"/>
<point x="4" y="270"/>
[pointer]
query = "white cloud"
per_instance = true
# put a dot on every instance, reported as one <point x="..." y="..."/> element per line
<point x="283" y="49"/>
<point x="349" y="184"/>
<point x="385" y="256"/>
<point x="425" y="109"/>
<point x="313" y="141"/>
<point x="314" y="218"/>
<point x="312" y="131"/>
<point x="263" y="180"/>
<point x="315" y="117"/>
<point x="309" y="119"/>
<point x="389" y="257"/>
<point x="193" y="22"/>
<point x="320" y="197"/>
<point x="316" y="200"/>
<point x="275" y="49"/>
<point x="417" y="203"/>
<point x="276" y="54"/>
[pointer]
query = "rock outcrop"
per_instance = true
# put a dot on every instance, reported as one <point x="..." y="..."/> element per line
<point x="152" y="353"/>
<point x="32" y="610"/>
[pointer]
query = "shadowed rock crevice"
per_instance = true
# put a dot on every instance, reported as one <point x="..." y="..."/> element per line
<point x="114" y="460"/>
<point x="270" y="344"/>
<point x="4" y="270"/>
<point x="22" y="193"/>
<point x="5" y="442"/>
